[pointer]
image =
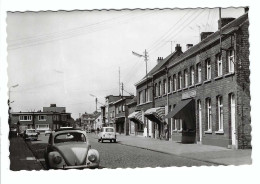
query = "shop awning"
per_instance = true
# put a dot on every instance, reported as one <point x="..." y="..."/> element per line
<point x="155" y="114"/>
<point x="136" y="117"/>
<point x="119" y="119"/>
<point x="185" y="104"/>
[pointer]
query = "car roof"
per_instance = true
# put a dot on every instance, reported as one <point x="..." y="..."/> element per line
<point x="65" y="128"/>
<point x="59" y="131"/>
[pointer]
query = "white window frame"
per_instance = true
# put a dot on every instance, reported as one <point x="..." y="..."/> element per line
<point x="156" y="89"/>
<point x="42" y="116"/>
<point x="186" y="79"/>
<point x="123" y="106"/>
<point x="179" y="81"/>
<point x="219" y="65"/>
<point x="160" y="89"/>
<point x="208" y="70"/>
<point x="231" y="60"/>
<point x="220" y="114"/>
<point x="209" y="115"/>
<point x="29" y="118"/>
<point x="175" y="125"/>
<point x="174" y="83"/>
<point x="169" y="84"/>
<point x="192" y="75"/>
<point x="164" y="86"/>
<point x="199" y="72"/>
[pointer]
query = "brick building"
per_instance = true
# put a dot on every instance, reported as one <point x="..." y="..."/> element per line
<point x="50" y="118"/>
<point x="203" y="94"/>
<point x="88" y="120"/>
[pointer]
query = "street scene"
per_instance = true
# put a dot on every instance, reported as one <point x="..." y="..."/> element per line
<point x="129" y="89"/>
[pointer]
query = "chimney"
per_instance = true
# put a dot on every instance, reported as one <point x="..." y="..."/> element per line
<point x="246" y="9"/>
<point x="224" y="21"/>
<point x="188" y="46"/>
<point x="53" y="105"/>
<point x="159" y="59"/>
<point x="204" y="35"/>
<point x="178" y="47"/>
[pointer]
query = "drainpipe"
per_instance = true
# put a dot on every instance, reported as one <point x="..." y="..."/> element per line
<point x="167" y="103"/>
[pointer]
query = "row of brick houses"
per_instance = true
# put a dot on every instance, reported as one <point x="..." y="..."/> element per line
<point x="198" y="96"/>
<point x="51" y="117"/>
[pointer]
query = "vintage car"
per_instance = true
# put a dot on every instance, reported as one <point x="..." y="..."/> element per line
<point x="30" y="134"/>
<point x="107" y="133"/>
<point x="69" y="149"/>
<point x="47" y="132"/>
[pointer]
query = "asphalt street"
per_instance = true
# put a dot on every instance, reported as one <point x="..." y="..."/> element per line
<point x="117" y="155"/>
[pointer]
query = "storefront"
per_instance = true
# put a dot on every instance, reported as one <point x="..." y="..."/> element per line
<point x="120" y="125"/>
<point x="136" y="123"/>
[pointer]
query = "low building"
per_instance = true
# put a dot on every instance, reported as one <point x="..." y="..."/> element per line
<point x="50" y="118"/>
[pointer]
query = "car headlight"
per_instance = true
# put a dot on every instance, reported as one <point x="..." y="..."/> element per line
<point x="92" y="158"/>
<point x="57" y="159"/>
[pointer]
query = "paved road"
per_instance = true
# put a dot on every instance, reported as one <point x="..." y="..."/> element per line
<point x="116" y="155"/>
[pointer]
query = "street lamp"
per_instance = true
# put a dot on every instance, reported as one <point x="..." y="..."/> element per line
<point x="9" y="103"/>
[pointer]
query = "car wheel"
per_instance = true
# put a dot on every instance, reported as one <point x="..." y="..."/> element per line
<point x="98" y="140"/>
<point x="102" y="140"/>
<point x="110" y="140"/>
<point x="114" y="140"/>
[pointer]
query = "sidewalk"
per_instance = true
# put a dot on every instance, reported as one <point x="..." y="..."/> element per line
<point x="213" y="154"/>
<point x="21" y="157"/>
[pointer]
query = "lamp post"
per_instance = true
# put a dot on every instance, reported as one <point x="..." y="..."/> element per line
<point x="9" y="103"/>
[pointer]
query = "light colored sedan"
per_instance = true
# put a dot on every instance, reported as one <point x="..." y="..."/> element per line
<point x="107" y="133"/>
<point x="47" y="132"/>
<point x="70" y="149"/>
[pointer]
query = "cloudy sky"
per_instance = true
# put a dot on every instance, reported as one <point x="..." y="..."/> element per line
<point x="66" y="57"/>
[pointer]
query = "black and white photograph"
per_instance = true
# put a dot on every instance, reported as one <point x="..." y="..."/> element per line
<point x="104" y="89"/>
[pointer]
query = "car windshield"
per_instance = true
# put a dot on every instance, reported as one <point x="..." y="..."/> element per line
<point x="30" y="131"/>
<point x="109" y="130"/>
<point x="70" y="137"/>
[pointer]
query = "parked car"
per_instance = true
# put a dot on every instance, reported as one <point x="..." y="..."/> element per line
<point x="107" y="133"/>
<point x="30" y="134"/>
<point x="47" y="132"/>
<point x="70" y="149"/>
<point x="13" y="132"/>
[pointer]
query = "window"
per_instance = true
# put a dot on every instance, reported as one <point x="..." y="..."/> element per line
<point x="174" y="85"/>
<point x="169" y="84"/>
<point x="164" y="87"/>
<point x="179" y="80"/>
<point x="175" y="124"/>
<point x="140" y="97"/>
<point x="231" y="61"/>
<point x="209" y="114"/>
<point x="42" y="126"/>
<point x="42" y="118"/>
<point x="219" y="65"/>
<point x="185" y="78"/>
<point x="179" y="124"/>
<point x="25" y="118"/>
<point x="198" y="72"/>
<point x="220" y="113"/>
<point x="160" y="89"/>
<point x="123" y="108"/>
<point x="156" y="89"/>
<point x="208" y="69"/>
<point x="192" y="75"/>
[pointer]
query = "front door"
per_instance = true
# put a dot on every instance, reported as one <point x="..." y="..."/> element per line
<point x="233" y="119"/>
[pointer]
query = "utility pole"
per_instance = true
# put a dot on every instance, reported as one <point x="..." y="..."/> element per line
<point x="119" y="81"/>
<point x="145" y="56"/>
<point x="122" y="88"/>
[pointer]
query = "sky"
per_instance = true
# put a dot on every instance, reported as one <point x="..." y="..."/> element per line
<point x="67" y="57"/>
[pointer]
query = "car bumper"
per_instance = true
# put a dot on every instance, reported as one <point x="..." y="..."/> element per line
<point x="90" y="166"/>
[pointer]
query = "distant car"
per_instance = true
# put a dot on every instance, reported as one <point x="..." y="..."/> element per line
<point x="30" y="134"/>
<point x="88" y="131"/>
<point x="13" y="132"/>
<point x="107" y="133"/>
<point x="47" y="132"/>
<point x="70" y="149"/>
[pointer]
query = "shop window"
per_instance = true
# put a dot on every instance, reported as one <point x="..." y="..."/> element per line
<point x="208" y="70"/>
<point x="209" y="115"/>
<point x="192" y="75"/>
<point x="123" y="108"/>
<point x="198" y="73"/>
<point x="185" y="78"/>
<point x="219" y="65"/>
<point x="231" y="61"/>
<point x="220" y="113"/>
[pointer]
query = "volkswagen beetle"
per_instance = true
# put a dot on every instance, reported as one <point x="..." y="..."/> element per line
<point x="70" y="149"/>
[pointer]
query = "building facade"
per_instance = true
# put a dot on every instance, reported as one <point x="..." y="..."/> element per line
<point x="50" y="118"/>
<point x="202" y="96"/>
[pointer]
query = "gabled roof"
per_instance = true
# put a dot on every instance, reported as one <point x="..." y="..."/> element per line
<point x="159" y="66"/>
<point x="227" y="29"/>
